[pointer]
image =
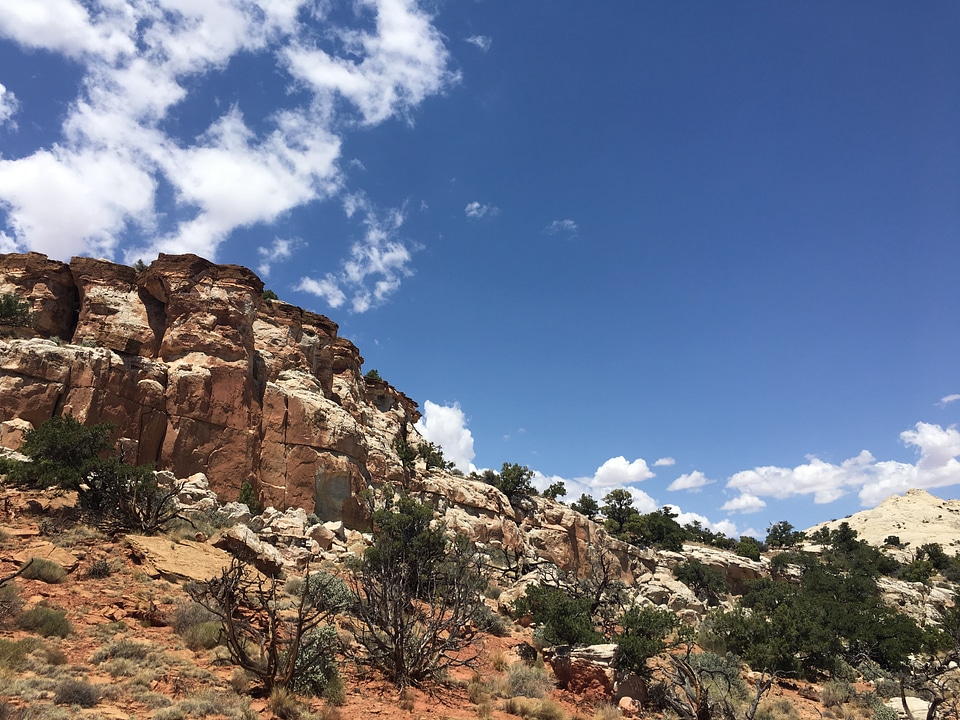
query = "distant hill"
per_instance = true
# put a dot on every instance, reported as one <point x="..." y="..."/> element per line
<point x="916" y="517"/>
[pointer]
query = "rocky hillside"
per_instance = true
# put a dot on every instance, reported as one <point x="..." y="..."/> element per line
<point x="916" y="518"/>
<point x="198" y="372"/>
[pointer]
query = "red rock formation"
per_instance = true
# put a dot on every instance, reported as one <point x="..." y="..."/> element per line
<point x="201" y="374"/>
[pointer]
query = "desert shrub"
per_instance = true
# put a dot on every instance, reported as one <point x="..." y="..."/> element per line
<point x="126" y="649"/>
<point x="199" y="628"/>
<point x="886" y="688"/>
<point x="76" y="692"/>
<point x="14" y="311"/>
<point x="642" y="636"/>
<point x="248" y="496"/>
<point x="492" y="622"/>
<point x="44" y="570"/>
<point x="10" y="602"/>
<point x="870" y="670"/>
<point x="837" y="692"/>
<point x="60" y="451"/>
<point x="45" y="620"/>
<point x="13" y="653"/>
<point x="530" y="681"/>
<point x="278" y="645"/>
<point x="606" y="711"/>
<point x="99" y="569"/>
<point x="561" y="618"/>
<point x="882" y="712"/>
<point x="416" y="594"/>
<point x="532" y="709"/>
<point x="776" y="710"/>
<point x="284" y="704"/>
<point x="315" y="672"/>
<point x="706" y="582"/>
<point x="120" y="498"/>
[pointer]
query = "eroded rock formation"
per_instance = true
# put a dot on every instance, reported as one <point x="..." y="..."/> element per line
<point x="199" y="373"/>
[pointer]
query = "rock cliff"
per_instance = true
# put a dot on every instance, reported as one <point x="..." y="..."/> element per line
<point x="199" y="373"/>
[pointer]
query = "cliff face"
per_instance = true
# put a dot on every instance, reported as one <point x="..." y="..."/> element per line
<point x="199" y="373"/>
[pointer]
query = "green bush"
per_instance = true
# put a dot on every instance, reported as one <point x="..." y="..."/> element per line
<point x="60" y="450"/>
<point x="14" y="311"/>
<point x="99" y="569"/>
<point x="561" y="619"/>
<point x="837" y="692"/>
<point x="882" y="712"/>
<point x="46" y="621"/>
<point x="248" y="496"/>
<point x="316" y="671"/>
<point x="44" y="570"/>
<point x="76" y="692"/>
<point x="642" y="637"/>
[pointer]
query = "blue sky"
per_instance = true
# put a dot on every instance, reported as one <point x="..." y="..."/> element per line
<point x="708" y="251"/>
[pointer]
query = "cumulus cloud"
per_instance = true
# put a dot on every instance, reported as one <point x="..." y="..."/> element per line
<point x="376" y="265"/>
<point x="937" y="466"/>
<point x="446" y="425"/>
<point x="665" y="462"/>
<point x="690" y="481"/>
<point x="475" y="210"/>
<point x="8" y="107"/>
<point x="481" y="41"/>
<point x="141" y="64"/>
<point x="746" y="503"/>
<point x="946" y="400"/>
<point x="562" y="227"/>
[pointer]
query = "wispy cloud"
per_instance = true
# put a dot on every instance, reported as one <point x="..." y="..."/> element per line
<point x="377" y="263"/>
<point x="946" y="400"/>
<point x="481" y="41"/>
<point x="475" y="210"/>
<point x="281" y="249"/>
<point x="665" y="462"/>
<point x="562" y="227"/>
<point x="140" y="66"/>
<point x="8" y="107"/>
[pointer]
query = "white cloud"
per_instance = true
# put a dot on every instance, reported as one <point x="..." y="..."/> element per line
<point x="946" y="400"/>
<point x="481" y="41"/>
<point x="565" y="227"/>
<point x="8" y="107"/>
<point x="446" y="425"/>
<point x="617" y="471"/>
<point x="746" y="503"/>
<point x="874" y="480"/>
<point x="690" y="481"/>
<point x="665" y="462"/>
<point x="281" y="249"/>
<point x="377" y="263"/>
<point x="476" y="211"/>
<point x="727" y="527"/>
<point x="141" y="62"/>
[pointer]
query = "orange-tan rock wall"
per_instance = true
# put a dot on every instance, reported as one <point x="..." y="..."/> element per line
<point x="200" y="374"/>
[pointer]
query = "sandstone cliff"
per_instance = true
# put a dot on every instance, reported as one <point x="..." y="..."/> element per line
<point x="199" y="373"/>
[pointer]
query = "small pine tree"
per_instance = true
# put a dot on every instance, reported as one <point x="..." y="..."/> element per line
<point x="248" y="496"/>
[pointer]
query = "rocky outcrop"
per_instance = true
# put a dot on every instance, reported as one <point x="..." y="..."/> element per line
<point x="199" y="373"/>
<point x="916" y="518"/>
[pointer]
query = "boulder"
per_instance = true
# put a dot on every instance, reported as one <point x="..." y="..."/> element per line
<point x="241" y="542"/>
